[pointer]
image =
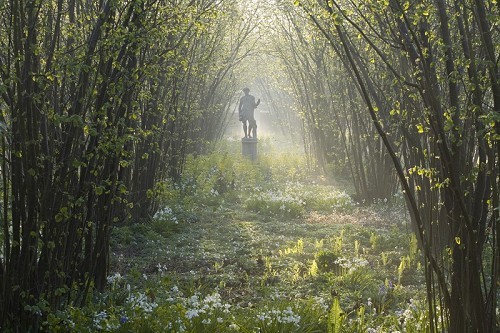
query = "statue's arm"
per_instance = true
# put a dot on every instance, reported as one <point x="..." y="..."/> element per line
<point x="258" y="102"/>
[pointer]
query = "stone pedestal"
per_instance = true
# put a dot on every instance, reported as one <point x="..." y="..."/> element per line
<point x="249" y="148"/>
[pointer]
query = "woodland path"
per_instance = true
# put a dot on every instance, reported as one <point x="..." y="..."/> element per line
<point x="243" y="253"/>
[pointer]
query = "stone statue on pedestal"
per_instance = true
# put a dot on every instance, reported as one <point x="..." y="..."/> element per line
<point x="246" y="114"/>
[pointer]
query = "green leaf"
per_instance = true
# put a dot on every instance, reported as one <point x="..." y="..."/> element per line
<point x="99" y="190"/>
<point x="62" y="214"/>
<point x="335" y="317"/>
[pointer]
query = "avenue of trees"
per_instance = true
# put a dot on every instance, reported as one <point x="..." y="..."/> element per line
<point x="102" y="101"/>
<point x="410" y="90"/>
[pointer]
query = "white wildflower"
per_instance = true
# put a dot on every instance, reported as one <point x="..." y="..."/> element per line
<point x="191" y="313"/>
<point x="114" y="278"/>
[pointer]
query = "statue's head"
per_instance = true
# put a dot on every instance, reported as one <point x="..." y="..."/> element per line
<point x="246" y="90"/>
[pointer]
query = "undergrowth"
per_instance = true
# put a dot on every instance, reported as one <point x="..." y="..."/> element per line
<point x="264" y="246"/>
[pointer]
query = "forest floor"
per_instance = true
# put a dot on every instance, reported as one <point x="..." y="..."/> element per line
<point x="364" y="256"/>
<point x="264" y="246"/>
<point x="246" y="252"/>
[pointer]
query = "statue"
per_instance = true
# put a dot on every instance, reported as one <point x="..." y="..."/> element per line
<point x="246" y="114"/>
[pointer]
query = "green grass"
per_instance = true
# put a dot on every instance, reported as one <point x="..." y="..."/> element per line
<point x="242" y="247"/>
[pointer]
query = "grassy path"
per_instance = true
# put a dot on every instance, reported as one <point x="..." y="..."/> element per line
<point x="221" y="267"/>
<point x="275" y="253"/>
<point x="250" y="256"/>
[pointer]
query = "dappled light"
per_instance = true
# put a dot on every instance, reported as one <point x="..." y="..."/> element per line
<point x="250" y="166"/>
